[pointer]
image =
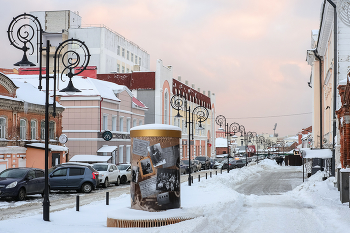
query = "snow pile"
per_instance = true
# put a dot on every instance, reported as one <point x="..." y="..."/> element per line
<point x="313" y="205"/>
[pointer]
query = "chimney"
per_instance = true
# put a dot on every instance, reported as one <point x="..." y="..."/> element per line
<point x="193" y="86"/>
<point x="179" y="78"/>
<point x="186" y="82"/>
<point x="203" y="92"/>
<point x="209" y="94"/>
<point x="199" y="90"/>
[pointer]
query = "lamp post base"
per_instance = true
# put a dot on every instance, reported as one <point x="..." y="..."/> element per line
<point x="46" y="210"/>
<point x="189" y="180"/>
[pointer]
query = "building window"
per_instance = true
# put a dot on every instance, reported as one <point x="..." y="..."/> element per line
<point x="118" y="50"/>
<point x="127" y="70"/>
<point x="140" y="61"/>
<point x="118" y="68"/>
<point x="140" y="122"/>
<point x="105" y="122"/>
<point x="132" y="57"/>
<point x="33" y="129"/>
<point x="123" y="69"/>
<point x="114" y="123"/>
<point x="2" y="127"/>
<point x="135" y="59"/>
<point x="121" y="153"/>
<point x="52" y="130"/>
<point x="23" y="128"/>
<point x="128" y="154"/>
<point x="166" y="107"/>
<point x="123" y="52"/>
<point x="134" y="123"/>
<point x="127" y="55"/>
<point x="42" y="130"/>
<point x="121" y="125"/>
<point x="128" y="125"/>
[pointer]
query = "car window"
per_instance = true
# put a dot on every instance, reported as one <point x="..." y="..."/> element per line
<point x="60" y="172"/>
<point x="123" y="166"/>
<point x="100" y="167"/>
<point x="114" y="167"/>
<point x="39" y="173"/>
<point x="76" y="171"/>
<point x="31" y="174"/>
<point x="13" y="173"/>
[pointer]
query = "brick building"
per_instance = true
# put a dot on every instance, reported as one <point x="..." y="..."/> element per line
<point x="22" y="121"/>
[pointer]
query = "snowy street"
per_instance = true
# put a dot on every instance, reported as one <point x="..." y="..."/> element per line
<point x="279" y="202"/>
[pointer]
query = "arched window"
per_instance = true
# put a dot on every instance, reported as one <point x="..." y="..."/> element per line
<point x="22" y="129"/>
<point x="166" y="107"/>
<point x="42" y="130"/>
<point x="33" y="129"/>
<point x="2" y="127"/>
<point x="52" y="130"/>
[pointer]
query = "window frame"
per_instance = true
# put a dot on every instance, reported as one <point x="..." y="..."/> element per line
<point x="33" y="129"/>
<point x="22" y="129"/>
<point x="3" y="127"/>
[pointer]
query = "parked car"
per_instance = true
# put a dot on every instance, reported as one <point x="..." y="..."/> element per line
<point x="20" y="182"/>
<point x="197" y="165"/>
<point x="184" y="168"/>
<point x="108" y="173"/>
<point x="125" y="172"/>
<point x="234" y="163"/>
<point x="204" y="160"/>
<point x="82" y="178"/>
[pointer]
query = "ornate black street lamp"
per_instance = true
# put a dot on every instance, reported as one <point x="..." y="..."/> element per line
<point x="199" y="115"/>
<point x="259" y="140"/>
<point x="20" y="34"/>
<point x="248" y="137"/>
<point x="228" y="131"/>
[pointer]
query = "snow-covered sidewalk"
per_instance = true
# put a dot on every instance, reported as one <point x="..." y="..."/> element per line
<point x="313" y="206"/>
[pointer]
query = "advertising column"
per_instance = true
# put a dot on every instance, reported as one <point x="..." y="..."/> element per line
<point x="155" y="161"/>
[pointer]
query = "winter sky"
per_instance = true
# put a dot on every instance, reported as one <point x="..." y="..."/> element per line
<point x="250" y="53"/>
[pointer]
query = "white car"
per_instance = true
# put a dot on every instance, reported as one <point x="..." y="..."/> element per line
<point x="125" y="172"/>
<point x="108" y="173"/>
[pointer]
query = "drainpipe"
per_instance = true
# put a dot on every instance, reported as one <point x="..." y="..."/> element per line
<point x="101" y="114"/>
<point x="335" y="83"/>
<point x="321" y="119"/>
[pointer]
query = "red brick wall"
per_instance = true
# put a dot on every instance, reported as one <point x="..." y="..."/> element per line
<point x="134" y="81"/>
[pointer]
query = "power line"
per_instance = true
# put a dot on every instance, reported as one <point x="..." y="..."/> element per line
<point x="287" y="115"/>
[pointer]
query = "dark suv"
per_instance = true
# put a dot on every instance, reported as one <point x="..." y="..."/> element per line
<point x="82" y="178"/>
<point x="18" y="182"/>
<point x="204" y="160"/>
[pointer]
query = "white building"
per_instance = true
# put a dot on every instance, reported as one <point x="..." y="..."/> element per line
<point x="110" y="51"/>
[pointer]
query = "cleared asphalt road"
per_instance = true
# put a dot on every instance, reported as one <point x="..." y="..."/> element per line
<point x="272" y="183"/>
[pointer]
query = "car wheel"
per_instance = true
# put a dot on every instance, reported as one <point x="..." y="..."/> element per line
<point x="21" y="196"/>
<point x="86" y="188"/>
<point x="123" y="180"/>
<point x="106" y="183"/>
<point x="118" y="181"/>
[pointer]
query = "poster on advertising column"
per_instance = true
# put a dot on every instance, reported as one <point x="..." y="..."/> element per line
<point x="155" y="184"/>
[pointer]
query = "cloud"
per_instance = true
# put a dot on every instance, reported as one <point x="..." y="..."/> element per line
<point x="251" y="53"/>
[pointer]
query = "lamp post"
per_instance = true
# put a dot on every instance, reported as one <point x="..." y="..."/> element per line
<point x="199" y="115"/>
<point x="260" y="139"/>
<point x="233" y="128"/>
<point x="248" y="137"/>
<point x="66" y="55"/>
